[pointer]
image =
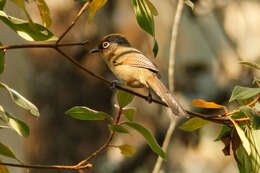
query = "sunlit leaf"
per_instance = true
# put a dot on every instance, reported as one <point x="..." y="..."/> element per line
<point x="118" y="128"/>
<point x="204" y="104"/>
<point x="3" y="168"/>
<point x="24" y="29"/>
<point x="127" y="150"/>
<point x="243" y="93"/>
<point x="2" y="4"/>
<point x="21" y="101"/>
<point x="152" y="8"/>
<point x="189" y="3"/>
<point x="2" y="59"/>
<point x="94" y="6"/>
<point x="7" y="151"/>
<point x="44" y="12"/>
<point x="223" y="130"/>
<point x="251" y="64"/>
<point x="85" y="113"/>
<point x="194" y="124"/>
<point x="148" y="137"/>
<point x="124" y="98"/>
<point x="243" y="137"/>
<point x="144" y="12"/>
<point x="253" y="115"/>
<point x="129" y="113"/>
<point x="19" y="126"/>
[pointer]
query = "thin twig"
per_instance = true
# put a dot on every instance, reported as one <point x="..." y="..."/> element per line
<point x="48" y="167"/>
<point x="82" y="10"/>
<point x="42" y="45"/>
<point x="175" y="28"/>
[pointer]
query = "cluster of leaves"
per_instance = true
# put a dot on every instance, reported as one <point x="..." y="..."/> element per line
<point x="116" y="126"/>
<point x="240" y="135"/>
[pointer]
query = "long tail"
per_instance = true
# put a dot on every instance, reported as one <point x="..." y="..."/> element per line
<point x="160" y="89"/>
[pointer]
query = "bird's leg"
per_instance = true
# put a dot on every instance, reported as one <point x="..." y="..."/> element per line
<point x="115" y="83"/>
<point x="149" y="98"/>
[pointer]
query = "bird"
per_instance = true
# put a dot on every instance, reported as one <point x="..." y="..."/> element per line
<point x="134" y="69"/>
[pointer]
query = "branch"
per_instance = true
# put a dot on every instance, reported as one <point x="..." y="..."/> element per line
<point x="175" y="28"/>
<point x="82" y="10"/>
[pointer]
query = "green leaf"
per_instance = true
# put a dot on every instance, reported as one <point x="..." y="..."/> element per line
<point x="118" y="128"/>
<point x="124" y="98"/>
<point x="243" y="93"/>
<point x="85" y="113"/>
<point x="19" y="126"/>
<point x="129" y="113"/>
<point x="152" y="8"/>
<point x="21" y="101"/>
<point x="2" y="4"/>
<point x="193" y="124"/>
<point x="242" y="136"/>
<point x="223" y="131"/>
<point x="155" y="48"/>
<point x="3" y="168"/>
<point x="44" y="13"/>
<point x="250" y="64"/>
<point x="127" y="150"/>
<point x="2" y="59"/>
<point x="151" y="141"/>
<point x="189" y="3"/>
<point x="144" y="16"/>
<point x="253" y="115"/>
<point x="94" y="6"/>
<point x="25" y="30"/>
<point x="7" y="151"/>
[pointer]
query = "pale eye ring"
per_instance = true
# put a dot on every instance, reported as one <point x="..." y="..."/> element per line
<point x="105" y="44"/>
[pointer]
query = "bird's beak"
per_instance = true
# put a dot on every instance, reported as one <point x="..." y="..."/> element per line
<point x="94" y="50"/>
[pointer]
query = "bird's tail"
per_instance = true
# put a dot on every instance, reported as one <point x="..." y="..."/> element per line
<point x="160" y="89"/>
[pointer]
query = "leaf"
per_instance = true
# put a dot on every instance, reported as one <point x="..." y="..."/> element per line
<point x="250" y="64"/>
<point x="2" y="59"/>
<point x="148" y="137"/>
<point x="252" y="114"/>
<point x="44" y="12"/>
<point x="204" y="104"/>
<point x="155" y="48"/>
<point x="127" y="150"/>
<point x="21" y="101"/>
<point x="243" y="93"/>
<point x="124" y="98"/>
<point x="85" y="113"/>
<point x="189" y="3"/>
<point x="244" y="140"/>
<point x="193" y="124"/>
<point x="24" y="29"/>
<point x="245" y="163"/>
<point x="129" y="113"/>
<point x="222" y="132"/>
<point x="19" y="126"/>
<point x="3" y="168"/>
<point x="257" y="81"/>
<point x="94" y="6"/>
<point x="118" y="128"/>
<point x="152" y="8"/>
<point x="2" y="4"/>
<point x="6" y="151"/>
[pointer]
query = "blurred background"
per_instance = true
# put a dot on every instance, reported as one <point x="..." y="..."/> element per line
<point x="212" y="40"/>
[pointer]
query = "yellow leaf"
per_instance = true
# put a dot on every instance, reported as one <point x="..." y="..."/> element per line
<point x="94" y="6"/>
<point x="242" y="135"/>
<point x="127" y="150"/>
<point x="204" y="104"/>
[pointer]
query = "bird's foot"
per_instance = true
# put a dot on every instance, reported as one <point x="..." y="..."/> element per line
<point x="115" y="83"/>
<point x="149" y="98"/>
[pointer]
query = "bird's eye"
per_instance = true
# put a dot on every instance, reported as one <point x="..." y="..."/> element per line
<point x="105" y="44"/>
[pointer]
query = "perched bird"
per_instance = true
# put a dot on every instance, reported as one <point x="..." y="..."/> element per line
<point x="134" y="68"/>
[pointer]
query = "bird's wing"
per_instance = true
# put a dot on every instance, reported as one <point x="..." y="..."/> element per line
<point x="138" y="60"/>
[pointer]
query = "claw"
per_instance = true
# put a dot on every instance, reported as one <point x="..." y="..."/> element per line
<point x="149" y="98"/>
<point x="115" y="83"/>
